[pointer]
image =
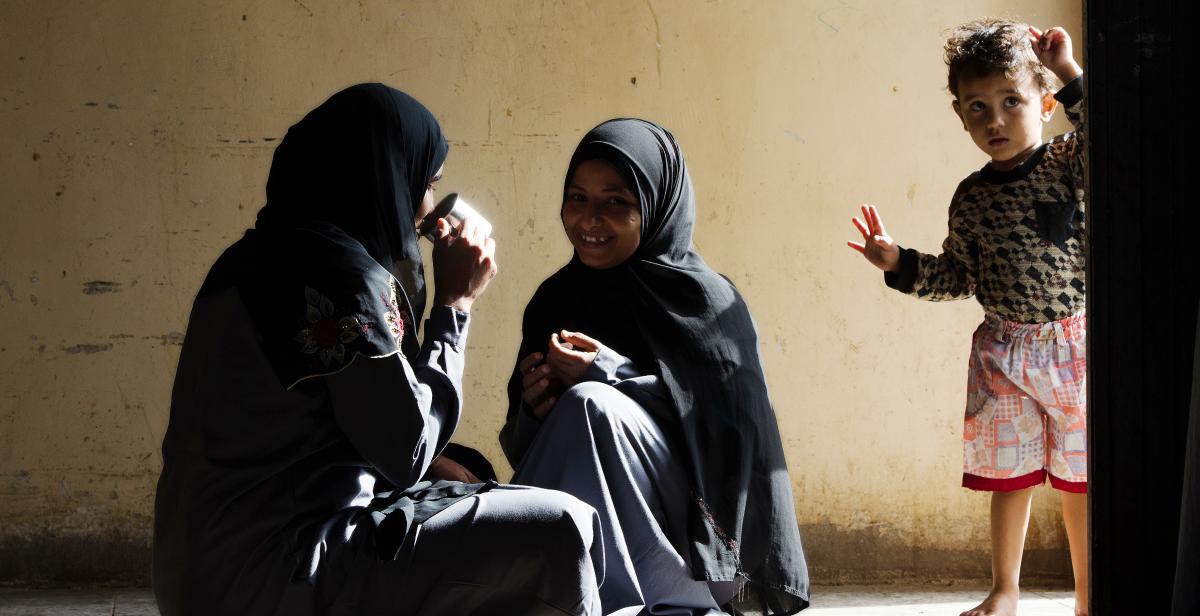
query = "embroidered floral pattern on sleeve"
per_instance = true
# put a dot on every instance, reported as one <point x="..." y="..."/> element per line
<point x="397" y="317"/>
<point x="326" y="335"/>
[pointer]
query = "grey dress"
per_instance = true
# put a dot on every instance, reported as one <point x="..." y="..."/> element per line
<point x="602" y="443"/>
<point x="715" y="446"/>
<point x="305" y="411"/>
<point x="307" y="500"/>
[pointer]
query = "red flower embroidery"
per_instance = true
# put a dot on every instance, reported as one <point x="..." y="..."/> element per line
<point x="327" y="335"/>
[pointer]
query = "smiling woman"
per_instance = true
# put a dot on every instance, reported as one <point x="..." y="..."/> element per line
<point x="639" y="389"/>
<point x="600" y="215"/>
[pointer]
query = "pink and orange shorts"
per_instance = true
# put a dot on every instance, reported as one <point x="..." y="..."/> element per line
<point x="1026" y="406"/>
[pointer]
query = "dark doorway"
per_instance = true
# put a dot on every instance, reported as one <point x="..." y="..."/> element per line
<point x="1144" y="220"/>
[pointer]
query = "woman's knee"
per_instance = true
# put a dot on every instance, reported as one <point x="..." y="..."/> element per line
<point x="525" y="542"/>
<point x="587" y="391"/>
<point x="570" y="563"/>
<point x="598" y="403"/>
<point x="563" y="530"/>
<point x="564" y="516"/>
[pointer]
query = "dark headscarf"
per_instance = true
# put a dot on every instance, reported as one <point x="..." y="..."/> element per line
<point x="665" y="309"/>
<point x="337" y="225"/>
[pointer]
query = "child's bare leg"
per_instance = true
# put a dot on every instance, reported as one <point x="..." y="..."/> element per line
<point x="1074" y="508"/>
<point x="1010" y="519"/>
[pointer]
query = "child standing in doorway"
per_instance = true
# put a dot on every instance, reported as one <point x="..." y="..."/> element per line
<point x="1016" y="242"/>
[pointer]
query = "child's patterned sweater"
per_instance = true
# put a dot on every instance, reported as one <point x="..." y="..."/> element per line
<point x="1016" y="238"/>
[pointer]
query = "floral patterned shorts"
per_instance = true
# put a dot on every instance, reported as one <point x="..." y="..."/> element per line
<point x="1026" y="406"/>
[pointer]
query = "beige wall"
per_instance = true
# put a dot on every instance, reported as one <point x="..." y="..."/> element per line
<point x="136" y="138"/>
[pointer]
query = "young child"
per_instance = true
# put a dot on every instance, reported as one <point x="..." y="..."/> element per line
<point x="1016" y="243"/>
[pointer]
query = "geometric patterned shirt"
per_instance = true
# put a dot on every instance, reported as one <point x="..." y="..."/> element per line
<point x="1016" y="238"/>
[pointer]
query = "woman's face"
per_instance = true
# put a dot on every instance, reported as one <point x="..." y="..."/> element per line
<point x="601" y="215"/>
<point x="427" y="203"/>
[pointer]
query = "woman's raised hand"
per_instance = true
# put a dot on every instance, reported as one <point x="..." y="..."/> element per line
<point x="535" y="384"/>
<point x="570" y="355"/>
<point x="877" y="246"/>
<point x="463" y="264"/>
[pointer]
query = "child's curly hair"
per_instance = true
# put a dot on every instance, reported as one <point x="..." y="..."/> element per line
<point x="989" y="46"/>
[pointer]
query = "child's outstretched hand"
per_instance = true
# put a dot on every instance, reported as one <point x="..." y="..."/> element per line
<point x="877" y="246"/>
<point x="1053" y="50"/>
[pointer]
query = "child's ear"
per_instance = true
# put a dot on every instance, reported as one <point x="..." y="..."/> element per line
<point x="958" y="112"/>
<point x="1049" y="104"/>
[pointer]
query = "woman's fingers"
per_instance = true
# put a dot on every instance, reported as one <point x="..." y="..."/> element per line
<point x="467" y="231"/>
<point x="532" y="370"/>
<point x="563" y="349"/>
<point x="560" y="363"/>
<point x="530" y="361"/>
<point x="445" y="468"/>
<point x="489" y="249"/>
<point x="538" y="373"/>
<point x="441" y="230"/>
<point x="557" y="351"/>
<point x="857" y="246"/>
<point x="534" y="392"/>
<point x="568" y="358"/>
<point x="581" y="341"/>
<point x="540" y="411"/>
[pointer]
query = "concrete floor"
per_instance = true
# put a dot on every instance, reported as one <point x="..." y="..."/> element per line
<point x="914" y="601"/>
<point x="830" y="601"/>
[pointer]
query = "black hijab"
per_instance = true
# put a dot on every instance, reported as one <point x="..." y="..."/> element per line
<point x="665" y="309"/>
<point x="316" y="272"/>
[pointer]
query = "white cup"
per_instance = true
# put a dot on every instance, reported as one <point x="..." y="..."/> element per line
<point x="456" y="211"/>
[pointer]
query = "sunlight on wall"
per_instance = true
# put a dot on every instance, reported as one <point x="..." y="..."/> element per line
<point x="136" y="146"/>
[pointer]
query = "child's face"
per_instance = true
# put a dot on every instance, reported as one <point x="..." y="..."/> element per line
<point x="1004" y="115"/>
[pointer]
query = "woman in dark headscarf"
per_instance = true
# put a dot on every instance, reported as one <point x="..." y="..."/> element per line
<point x="305" y="412"/>
<point x="640" y="390"/>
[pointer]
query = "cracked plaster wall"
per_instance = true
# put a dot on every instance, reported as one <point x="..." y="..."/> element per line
<point x="136" y="141"/>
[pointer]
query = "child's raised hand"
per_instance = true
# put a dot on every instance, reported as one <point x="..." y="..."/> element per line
<point x="1053" y="50"/>
<point x="877" y="246"/>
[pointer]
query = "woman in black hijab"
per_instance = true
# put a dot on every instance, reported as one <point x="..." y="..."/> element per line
<point x="640" y="390"/>
<point x="305" y="412"/>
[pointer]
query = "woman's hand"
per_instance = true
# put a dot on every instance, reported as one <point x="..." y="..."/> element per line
<point x="463" y="264"/>
<point x="570" y="355"/>
<point x="445" y="468"/>
<point x="877" y="246"/>
<point x="535" y="385"/>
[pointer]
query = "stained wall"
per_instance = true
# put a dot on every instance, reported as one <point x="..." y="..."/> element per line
<point x="136" y="139"/>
